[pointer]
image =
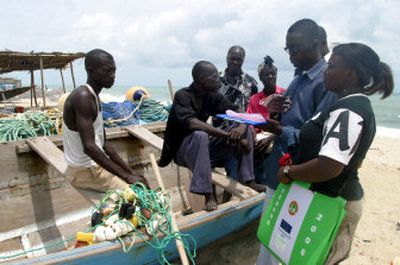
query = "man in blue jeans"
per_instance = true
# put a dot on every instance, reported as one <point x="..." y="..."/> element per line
<point x="305" y="97"/>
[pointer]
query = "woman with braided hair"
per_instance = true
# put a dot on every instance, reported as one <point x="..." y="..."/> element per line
<point x="334" y="142"/>
<point x="267" y="72"/>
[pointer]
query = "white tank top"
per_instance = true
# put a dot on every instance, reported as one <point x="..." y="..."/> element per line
<point x="73" y="148"/>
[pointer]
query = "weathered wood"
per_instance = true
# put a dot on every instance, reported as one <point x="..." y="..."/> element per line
<point x="33" y="88"/>
<point x="171" y="89"/>
<point x="62" y="80"/>
<point x="49" y="152"/>
<point x="174" y="225"/>
<point x="232" y="186"/>
<point x="42" y="79"/>
<point x="72" y="74"/>
<point x="111" y="133"/>
<point x="145" y="135"/>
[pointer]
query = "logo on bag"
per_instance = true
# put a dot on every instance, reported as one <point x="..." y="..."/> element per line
<point x="293" y="207"/>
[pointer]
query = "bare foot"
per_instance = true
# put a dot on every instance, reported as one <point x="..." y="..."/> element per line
<point x="211" y="202"/>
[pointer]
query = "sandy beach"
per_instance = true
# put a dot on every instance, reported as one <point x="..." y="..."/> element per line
<point x="377" y="239"/>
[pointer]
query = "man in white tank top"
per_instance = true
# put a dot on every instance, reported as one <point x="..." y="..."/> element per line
<point x="92" y="161"/>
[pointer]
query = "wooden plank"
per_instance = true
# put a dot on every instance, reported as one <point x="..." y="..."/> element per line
<point x="232" y="186"/>
<point x="49" y="152"/>
<point x="145" y="135"/>
<point x="111" y="133"/>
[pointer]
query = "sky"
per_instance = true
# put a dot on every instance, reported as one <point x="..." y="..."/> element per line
<point x="153" y="41"/>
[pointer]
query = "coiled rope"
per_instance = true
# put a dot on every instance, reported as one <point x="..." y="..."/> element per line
<point x="25" y="125"/>
<point x="126" y="113"/>
<point x="158" y="204"/>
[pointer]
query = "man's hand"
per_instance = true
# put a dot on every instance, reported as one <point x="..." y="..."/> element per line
<point x="274" y="103"/>
<point x="262" y="145"/>
<point x="271" y="126"/>
<point x="133" y="179"/>
<point x="236" y="134"/>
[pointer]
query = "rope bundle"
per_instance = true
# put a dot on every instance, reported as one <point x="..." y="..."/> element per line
<point x="28" y="124"/>
<point x="126" y="113"/>
<point x="151" y="216"/>
<point x="152" y="110"/>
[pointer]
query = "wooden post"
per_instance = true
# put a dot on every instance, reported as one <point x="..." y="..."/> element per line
<point x="33" y="90"/>
<point x="62" y="79"/>
<point x="72" y="74"/>
<point x="178" y="241"/>
<point x="171" y="90"/>
<point x="42" y="79"/>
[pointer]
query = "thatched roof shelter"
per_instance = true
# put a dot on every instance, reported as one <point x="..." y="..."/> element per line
<point x="24" y="61"/>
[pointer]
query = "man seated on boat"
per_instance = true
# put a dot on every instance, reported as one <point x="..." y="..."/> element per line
<point x="92" y="161"/>
<point x="197" y="145"/>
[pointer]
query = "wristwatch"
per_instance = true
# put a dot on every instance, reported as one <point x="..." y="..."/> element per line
<point x="286" y="171"/>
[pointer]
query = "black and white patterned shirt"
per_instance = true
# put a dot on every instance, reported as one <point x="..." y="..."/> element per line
<point x="343" y="133"/>
<point x="240" y="92"/>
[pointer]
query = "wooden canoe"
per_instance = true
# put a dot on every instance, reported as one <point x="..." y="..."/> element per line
<point x="38" y="206"/>
<point x="10" y="93"/>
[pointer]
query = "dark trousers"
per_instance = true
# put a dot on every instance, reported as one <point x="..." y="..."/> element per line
<point x="199" y="152"/>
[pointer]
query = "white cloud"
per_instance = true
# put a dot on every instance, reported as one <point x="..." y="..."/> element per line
<point x="154" y="40"/>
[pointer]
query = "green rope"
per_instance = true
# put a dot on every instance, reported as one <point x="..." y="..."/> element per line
<point x="28" y="124"/>
<point x="150" y="200"/>
<point x="152" y="110"/>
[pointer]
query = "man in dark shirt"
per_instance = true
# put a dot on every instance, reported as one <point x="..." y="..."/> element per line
<point x="187" y="137"/>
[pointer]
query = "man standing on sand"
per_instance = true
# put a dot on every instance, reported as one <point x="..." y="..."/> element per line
<point x="193" y="143"/>
<point x="92" y="161"/>
<point x="304" y="98"/>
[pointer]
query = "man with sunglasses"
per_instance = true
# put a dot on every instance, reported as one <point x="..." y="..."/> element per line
<point x="305" y="97"/>
<point x="193" y="143"/>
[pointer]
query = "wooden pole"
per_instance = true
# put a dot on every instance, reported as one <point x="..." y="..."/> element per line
<point x="42" y="79"/>
<point x="186" y="208"/>
<point x="72" y="74"/>
<point x="171" y="90"/>
<point x="62" y="80"/>
<point x="33" y="90"/>
<point x="178" y="241"/>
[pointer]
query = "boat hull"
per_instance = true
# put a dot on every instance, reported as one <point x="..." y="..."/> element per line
<point x="204" y="228"/>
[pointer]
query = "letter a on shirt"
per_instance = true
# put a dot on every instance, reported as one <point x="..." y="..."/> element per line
<point x="341" y="135"/>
